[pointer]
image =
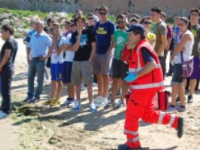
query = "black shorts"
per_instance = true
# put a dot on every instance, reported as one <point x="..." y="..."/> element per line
<point x="119" y="69"/>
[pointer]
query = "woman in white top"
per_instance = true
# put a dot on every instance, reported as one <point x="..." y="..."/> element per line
<point x="185" y="45"/>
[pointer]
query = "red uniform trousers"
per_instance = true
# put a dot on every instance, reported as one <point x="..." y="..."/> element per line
<point x="140" y="106"/>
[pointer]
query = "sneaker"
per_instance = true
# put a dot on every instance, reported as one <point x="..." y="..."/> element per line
<point x="76" y="105"/>
<point x="55" y="102"/>
<point x="33" y="100"/>
<point x="126" y="147"/>
<point x="98" y="101"/>
<point x="93" y="107"/>
<point x="48" y="102"/>
<point x="109" y="104"/>
<point x="180" y="128"/>
<point x="104" y="101"/>
<point x="119" y="104"/>
<point x="27" y="99"/>
<point x="68" y="101"/>
<point x="171" y="109"/>
<point x="190" y="99"/>
<point x="3" y="115"/>
<point x="181" y="108"/>
<point x="83" y="88"/>
<point x="94" y="84"/>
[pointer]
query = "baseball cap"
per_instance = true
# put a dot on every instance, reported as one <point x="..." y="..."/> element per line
<point x="137" y="29"/>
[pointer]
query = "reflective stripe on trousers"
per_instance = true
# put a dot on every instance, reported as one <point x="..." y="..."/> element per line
<point x="130" y="132"/>
<point x="134" y="140"/>
<point x="161" y="116"/>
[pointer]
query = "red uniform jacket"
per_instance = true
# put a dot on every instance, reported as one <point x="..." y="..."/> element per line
<point x="152" y="81"/>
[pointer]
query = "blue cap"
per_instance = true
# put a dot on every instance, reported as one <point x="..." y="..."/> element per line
<point x="137" y="29"/>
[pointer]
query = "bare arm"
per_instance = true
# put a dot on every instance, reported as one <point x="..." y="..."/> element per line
<point x="163" y="45"/>
<point x="5" y="58"/>
<point x="66" y="47"/>
<point x="93" y="51"/>
<point x="76" y="46"/>
<point x="150" y="66"/>
<point x="152" y="42"/>
<point x="169" y="41"/>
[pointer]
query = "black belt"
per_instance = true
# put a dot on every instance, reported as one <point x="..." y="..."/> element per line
<point x="35" y="58"/>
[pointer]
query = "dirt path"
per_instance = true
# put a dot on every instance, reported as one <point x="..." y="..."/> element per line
<point x="8" y="135"/>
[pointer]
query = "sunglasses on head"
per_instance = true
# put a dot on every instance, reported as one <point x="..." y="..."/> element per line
<point x="147" y="22"/>
<point x="102" y="13"/>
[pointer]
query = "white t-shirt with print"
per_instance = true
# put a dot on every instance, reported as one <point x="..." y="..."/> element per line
<point x="69" y="55"/>
<point x="55" y="59"/>
<point x="187" y="48"/>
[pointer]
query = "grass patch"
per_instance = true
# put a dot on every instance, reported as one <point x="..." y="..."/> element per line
<point x="23" y="13"/>
<point x="43" y="131"/>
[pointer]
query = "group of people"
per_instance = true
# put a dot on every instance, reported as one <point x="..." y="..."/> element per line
<point x="89" y="50"/>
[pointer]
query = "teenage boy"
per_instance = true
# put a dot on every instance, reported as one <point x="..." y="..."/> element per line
<point x="104" y="31"/>
<point x="67" y="68"/>
<point x="56" y="66"/>
<point x="84" y="44"/>
<point x="119" y="67"/>
<point x="161" y="35"/>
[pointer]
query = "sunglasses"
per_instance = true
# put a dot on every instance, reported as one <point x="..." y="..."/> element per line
<point x="146" y="22"/>
<point x="91" y="18"/>
<point x="120" y="22"/>
<point x="102" y="13"/>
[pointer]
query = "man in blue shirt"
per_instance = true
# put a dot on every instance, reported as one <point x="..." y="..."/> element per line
<point x="104" y="31"/>
<point x="38" y="52"/>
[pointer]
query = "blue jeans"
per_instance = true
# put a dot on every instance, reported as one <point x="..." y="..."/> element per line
<point x="36" y="67"/>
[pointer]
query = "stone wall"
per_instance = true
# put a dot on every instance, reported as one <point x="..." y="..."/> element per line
<point x="171" y="7"/>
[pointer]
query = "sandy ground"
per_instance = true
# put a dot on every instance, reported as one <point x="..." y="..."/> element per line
<point x="107" y="124"/>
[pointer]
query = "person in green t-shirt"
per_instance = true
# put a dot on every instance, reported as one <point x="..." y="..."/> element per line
<point x="119" y="67"/>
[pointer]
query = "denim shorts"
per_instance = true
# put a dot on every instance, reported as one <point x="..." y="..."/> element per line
<point x="177" y="77"/>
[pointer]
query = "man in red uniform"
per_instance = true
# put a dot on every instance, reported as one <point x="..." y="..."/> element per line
<point x="145" y="79"/>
